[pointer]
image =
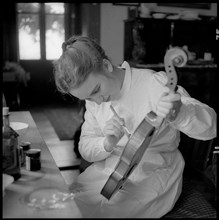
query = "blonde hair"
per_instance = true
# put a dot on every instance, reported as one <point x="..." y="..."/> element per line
<point x="81" y="56"/>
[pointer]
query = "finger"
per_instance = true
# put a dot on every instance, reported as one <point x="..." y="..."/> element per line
<point x="164" y="104"/>
<point x="112" y="127"/>
<point x="117" y="124"/>
<point x="161" y="115"/>
<point x="122" y="128"/>
<point x="162" y="112"/>
<point x="171" y="97"/>
<point x="166" y="90"/>
<point x="114" y="122"/>
<point x="121" y="121"/>
<point x="111" y="141"/>
<point x="112" y="130"/>
<point x="115" y="133"/>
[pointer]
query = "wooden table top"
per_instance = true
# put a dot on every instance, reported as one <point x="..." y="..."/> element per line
<point x="48" y="176"/>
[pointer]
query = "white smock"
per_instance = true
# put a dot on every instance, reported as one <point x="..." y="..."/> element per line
<point x="155" y="185"/>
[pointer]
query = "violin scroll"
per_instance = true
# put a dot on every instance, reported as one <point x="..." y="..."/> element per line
<point x="173" y="57"/>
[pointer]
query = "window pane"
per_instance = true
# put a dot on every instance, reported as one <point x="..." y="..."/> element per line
<point x="29" y="36"/>
<point x="28" y="7"/>
<point x="55" y="35"/>
<point x="55" y="8"/>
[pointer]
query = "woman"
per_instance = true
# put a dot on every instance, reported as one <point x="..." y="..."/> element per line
<point x="85" y="72"/>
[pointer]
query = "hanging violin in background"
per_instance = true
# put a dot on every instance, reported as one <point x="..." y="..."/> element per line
<point x="141" y="138"/>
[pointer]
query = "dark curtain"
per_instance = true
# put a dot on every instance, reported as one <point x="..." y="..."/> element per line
<point x="9" y="33"/>
<point x="72" y="20"/>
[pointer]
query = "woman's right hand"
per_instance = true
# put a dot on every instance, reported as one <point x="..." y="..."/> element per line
<point x="113" y="132"/>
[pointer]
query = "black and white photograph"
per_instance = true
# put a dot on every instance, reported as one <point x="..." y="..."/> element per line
<point x="109" y="110"/>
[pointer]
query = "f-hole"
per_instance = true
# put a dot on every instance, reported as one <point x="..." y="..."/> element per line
<point x="150" y="134"/>
<point x="127" y="174"/>
<point x="130" y="170"/>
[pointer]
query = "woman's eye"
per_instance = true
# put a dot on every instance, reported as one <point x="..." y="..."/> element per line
<point x="96" y="90"/>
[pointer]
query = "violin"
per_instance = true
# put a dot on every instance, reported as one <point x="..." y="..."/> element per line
<point x="141" y="138"/>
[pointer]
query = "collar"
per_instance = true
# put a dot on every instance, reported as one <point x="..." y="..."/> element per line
<point x="127" y="79"/>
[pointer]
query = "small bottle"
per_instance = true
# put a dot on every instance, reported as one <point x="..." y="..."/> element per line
<point x="10" y="162"/>
<point x="33" y="159"/>
<point x="25" y="146"/>
<point x="207" y="55"/>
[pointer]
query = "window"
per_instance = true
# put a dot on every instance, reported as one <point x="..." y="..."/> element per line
<point x="28" y="30"/>
<point x="41" y="30"/>
<point x="54" y="29"/>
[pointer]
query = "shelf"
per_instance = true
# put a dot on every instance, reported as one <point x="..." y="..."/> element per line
<point x="189" y="66"/>
<point x="200" y="19"/>
<point x="147" y="39"/>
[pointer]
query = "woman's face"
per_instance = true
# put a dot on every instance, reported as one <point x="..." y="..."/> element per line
<point x="99" y="87"/>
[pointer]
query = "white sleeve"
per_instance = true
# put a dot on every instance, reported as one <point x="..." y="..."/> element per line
<point x="91" y="144"/>
<point x="195" y="119"/>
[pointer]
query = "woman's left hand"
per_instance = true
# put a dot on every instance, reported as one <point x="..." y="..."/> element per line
<point x="169" y="104"/>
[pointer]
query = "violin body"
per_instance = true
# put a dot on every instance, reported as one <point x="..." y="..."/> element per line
<point x="130" y="158"/>
<point x="141" y="138"/>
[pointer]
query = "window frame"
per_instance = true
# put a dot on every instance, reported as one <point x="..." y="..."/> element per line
<point x="42" y="29"/>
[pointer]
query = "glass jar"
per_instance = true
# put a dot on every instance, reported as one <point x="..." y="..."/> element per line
<point x="10" y="162"/>
<point x="33" y="162"/>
